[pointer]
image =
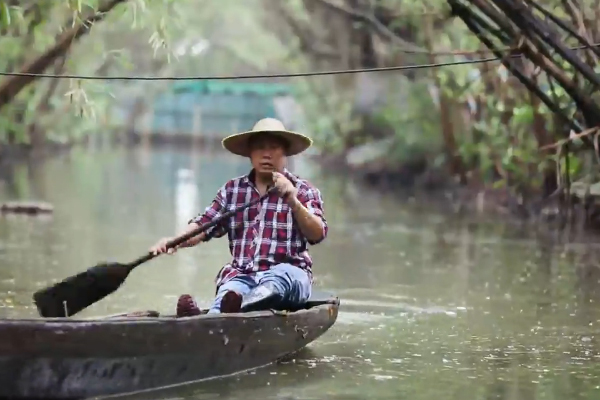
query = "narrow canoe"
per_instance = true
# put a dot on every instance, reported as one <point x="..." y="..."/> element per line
<point x="74" y="359"/>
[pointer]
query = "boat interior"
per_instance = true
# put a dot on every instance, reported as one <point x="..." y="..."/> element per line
<point x="318" y="298"/>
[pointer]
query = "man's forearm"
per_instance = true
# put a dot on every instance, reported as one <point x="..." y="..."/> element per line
<point x="191" y="242"/>
<point x="310" y="225"/>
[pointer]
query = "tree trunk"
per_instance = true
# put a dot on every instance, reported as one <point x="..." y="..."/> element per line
<point x="454" y="159"/>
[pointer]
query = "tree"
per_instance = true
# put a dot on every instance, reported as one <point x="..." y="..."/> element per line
<point x="110" y="38"/>
<point x="492" y="127"/>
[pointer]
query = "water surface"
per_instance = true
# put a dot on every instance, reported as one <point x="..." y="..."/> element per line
<point x="433" y="306"/>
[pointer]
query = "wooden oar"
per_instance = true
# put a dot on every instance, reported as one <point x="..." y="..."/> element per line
<point x="77" y="292"/>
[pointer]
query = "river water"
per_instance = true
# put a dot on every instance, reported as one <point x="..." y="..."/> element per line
<point x="433" y="306"/>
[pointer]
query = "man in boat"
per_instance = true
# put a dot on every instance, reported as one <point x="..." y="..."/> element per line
<point x="271" y="266"/>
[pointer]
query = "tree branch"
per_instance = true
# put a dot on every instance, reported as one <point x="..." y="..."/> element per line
<point x="523" y="17"/>
<point x="12" y="86"/>
<point x="44" y="105"/>
<point x="308" y="42"/>
<point x="563" y="25"/>
<point x="540" y="56"/>
<point x="379" y="28"/>
<point x="478" y="25"/>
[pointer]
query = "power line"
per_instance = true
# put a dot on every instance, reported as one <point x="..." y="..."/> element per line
<point x="223" y="77"/>
<point x="264" y="76"/>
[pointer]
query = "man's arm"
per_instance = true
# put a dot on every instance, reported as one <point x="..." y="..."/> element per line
<point x="308" y="211"/>
<point x="212" y="212"/>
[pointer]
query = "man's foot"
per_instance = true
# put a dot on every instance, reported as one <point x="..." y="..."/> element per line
<point x="187" y="307"/>
<point x="262" y="297"/>
<point x="231" y="303"/>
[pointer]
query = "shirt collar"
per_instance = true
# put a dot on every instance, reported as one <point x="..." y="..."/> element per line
<point x="249" y="178"/>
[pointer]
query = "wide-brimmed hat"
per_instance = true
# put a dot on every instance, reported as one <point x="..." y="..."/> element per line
<point x="238" y="143"/>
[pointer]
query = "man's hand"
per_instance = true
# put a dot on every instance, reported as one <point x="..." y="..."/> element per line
<point x="311" y="226"/>
<point x="285" y="188"/>
<point x="161" y="247"/>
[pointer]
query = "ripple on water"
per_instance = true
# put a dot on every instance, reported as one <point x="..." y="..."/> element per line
<point x="364" y="318"/>
<point x="400" y="306"/>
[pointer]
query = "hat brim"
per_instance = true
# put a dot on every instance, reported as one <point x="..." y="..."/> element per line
<point x="238" y="143"/>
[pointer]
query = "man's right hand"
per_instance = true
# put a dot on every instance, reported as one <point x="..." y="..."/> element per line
<point x="161" y="247"/>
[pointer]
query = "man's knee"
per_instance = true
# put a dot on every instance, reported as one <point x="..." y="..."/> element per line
<point x="295" y="282"/>
<point x="239" y="286"/>
<point x="290" y="271"/>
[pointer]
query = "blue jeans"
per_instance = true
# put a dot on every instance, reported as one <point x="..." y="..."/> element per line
<point x="292" y="283"/>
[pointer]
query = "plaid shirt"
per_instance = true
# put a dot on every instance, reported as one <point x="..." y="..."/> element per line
<point x="265" y="234"/>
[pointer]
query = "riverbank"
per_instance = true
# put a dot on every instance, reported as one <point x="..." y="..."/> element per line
<point x="425" y="183"/>
<point x="14" y="153"/>
<point x="412" y="180"/>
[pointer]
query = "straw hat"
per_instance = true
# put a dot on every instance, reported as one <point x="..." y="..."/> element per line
<point x="238" y="143"/>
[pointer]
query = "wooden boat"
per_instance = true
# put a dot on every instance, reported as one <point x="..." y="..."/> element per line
<point x="64" y="358"/>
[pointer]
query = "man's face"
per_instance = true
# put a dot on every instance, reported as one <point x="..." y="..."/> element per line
<point x="267" y="153"/>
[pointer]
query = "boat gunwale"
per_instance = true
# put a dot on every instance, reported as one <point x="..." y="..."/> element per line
<point x="120" y="319"/>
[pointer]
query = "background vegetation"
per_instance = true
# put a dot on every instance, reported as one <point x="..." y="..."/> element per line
<point x="477" y="123"/>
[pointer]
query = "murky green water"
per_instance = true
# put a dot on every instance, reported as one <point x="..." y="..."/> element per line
<point x="432" y="306"/>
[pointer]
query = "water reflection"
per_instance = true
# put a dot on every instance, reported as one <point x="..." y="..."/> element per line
<point x="187" y="204"/>
<point x="433" y="305"/>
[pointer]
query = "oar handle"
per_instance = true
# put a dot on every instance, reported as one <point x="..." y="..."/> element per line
<point x="186" y="236"/>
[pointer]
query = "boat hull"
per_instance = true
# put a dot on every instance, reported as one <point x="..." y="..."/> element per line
<point x="66" y="359"/>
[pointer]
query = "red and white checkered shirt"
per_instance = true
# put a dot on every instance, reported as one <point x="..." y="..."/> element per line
<point x="265" y="234"/>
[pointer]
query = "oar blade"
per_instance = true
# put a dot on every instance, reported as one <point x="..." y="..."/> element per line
<point x="77" y="292"/>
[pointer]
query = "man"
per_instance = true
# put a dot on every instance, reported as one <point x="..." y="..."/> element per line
<point x="271" y="266"/>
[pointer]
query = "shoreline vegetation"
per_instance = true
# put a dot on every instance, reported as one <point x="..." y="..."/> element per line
<point x="408" y="182"/>
<point x="517" y="133"/>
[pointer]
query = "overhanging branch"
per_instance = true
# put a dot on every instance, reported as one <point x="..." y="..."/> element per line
<point x="540" y="55"/>
<point x="12" y="86"/>
<point x="479" y="26"/>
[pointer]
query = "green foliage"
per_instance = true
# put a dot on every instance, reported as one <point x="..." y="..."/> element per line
<point x="491" y="119"/>
<point x="415" y="136"/>
<point x="31" y="30"/>
<point x="496" y="124"/>
<point x="138" y="37"/>
<point x="329" y="114"/>
<point x="77" y="105"/>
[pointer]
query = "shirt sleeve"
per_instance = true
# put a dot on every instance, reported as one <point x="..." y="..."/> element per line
<point x="313" y="201"/>
<point x="215" y="210"/>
